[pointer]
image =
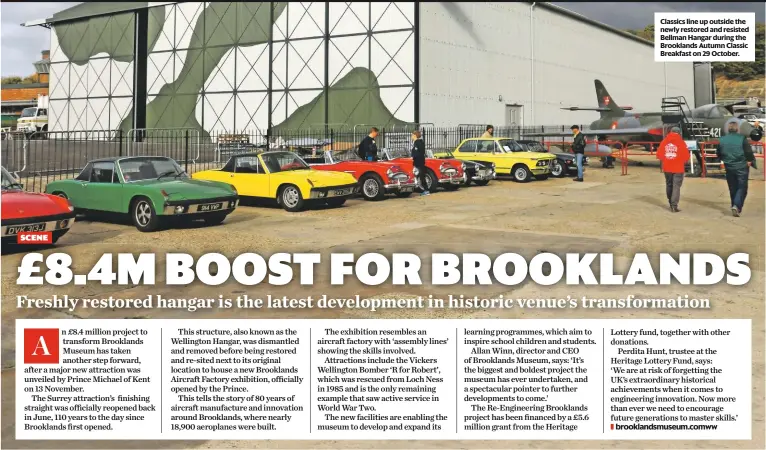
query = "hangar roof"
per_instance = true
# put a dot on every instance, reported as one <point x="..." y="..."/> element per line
<point x="93" y="9"/>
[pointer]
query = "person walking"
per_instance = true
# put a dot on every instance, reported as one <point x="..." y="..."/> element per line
<point x="489" y="132"/>
<point x="368" y="149"/>
<point x="673" y="153"/>
<point x="578" y="148"/>
<point x="736" y="157"/>
<point x="757" y="133"/>
<point x="418" y="153"/>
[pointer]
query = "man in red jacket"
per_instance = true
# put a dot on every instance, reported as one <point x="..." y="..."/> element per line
<point x="673" y="153"/>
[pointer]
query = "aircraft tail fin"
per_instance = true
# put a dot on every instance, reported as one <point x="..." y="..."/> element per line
<point x="607" y="107"/>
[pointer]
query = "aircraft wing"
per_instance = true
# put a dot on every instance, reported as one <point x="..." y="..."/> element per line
<point x="609" y="132"/>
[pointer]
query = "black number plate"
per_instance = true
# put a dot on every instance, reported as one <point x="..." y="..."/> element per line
<point x="14" y="230"/>
<point x="210" y="207"/>
<point x="340" y="192"/>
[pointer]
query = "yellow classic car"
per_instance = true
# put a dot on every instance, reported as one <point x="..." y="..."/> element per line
<point x="284" y="177"/>
<point x="508" y="157"/>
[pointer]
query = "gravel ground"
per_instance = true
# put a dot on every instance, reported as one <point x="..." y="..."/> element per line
<point x="607" y="213"/>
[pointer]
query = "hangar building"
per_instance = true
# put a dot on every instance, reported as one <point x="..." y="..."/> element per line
<point x="226" y="66"/>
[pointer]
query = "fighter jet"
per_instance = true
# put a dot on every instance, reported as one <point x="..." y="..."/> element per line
<point x="618" y="124"/>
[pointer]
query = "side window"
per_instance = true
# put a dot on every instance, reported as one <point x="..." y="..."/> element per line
<point x="103" y="172"/>
<point x="485" y="146"/>
<point x="85" y="174"/>
<point x="42" y="112"/>
<point x="468" y="147"/>
<point x="248" y="164"/>
<point x="714" y="113"/>
<point x="229" y="167"/>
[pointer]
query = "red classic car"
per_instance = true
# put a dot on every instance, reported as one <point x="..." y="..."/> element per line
<point x="449" y="174"/>
<point x="376" y="178"/>
<point x="29" y="211"/>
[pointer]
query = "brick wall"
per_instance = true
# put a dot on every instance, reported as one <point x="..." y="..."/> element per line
<point x="21" y="93"/>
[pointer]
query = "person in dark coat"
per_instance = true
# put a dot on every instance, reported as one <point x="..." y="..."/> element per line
<point x="418" y="153"/>
<point x="757" y="133"/>
<point x="578" y="148"/>
<point x="368" y="149"/>
<point x="736" y="158"/>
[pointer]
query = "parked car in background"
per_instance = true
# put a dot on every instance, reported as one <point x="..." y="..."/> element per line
<point x="564" y="164"/>
<point x="477" y="173"/>
<point x="153" y="190"/>
<point x="284" y="177"/>
<point x="447" y="174"/>
<point x="30" y="211"/>
<point x="376" y="178"/>
<point x="519" y="164"/>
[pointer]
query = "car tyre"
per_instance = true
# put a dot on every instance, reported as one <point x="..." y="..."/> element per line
<point x="431" y="181"/>
<point x="290" y="198"/>
<point x="521" y="173"/>
<point x="144" y="216"/>
<point x="558" y="170"/>
<point x="214" y="219"/>
<point x="372" y="187"/>
<point x="336" y="202"/>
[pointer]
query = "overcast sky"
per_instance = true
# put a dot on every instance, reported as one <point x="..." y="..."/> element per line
<point x="20" y="46"/>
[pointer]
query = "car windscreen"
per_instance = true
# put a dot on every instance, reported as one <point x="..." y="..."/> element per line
<point x="509" y="145"/>
<point x="138" y="169"/>
<point x="398" y="152"/>
<point x="8" y="181"/>
<point x="28" y="112"/>
<point x="346" y="155"/>
<point x="535" y="147"/>
<point x="283" y="162"/>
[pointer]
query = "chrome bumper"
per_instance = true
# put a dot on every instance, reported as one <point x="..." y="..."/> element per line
<point x="488" y="175"/>
<point x="400" y="187"/>
<point x="453" y="179"/>
<point x="196" y="207"/>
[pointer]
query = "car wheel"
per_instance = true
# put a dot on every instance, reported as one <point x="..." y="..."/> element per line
<point x="372" y="187"/>
<point x="336" y="202"/>
<point x="143" y="215"/>
<point x="481" y="182"/>
<point x="290" y="198"/>
<point x="557" y="169"/>
<point x="431" y="180"/>
<point x="403" y="194"/>
<point x="214" y="219"/>
<point x="521" y="173"/>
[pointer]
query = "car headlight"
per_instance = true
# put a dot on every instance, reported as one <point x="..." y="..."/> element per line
<point x="415" y="172"/>
<point x="71" y="208"/>
<point x="233" y="188"/>
<point x="493" y="166"/>
<point x="462" y="166"/>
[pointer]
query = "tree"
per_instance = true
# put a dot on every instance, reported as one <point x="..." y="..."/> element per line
<point x="31" y="79"/>
<point x="741" y="71"/>
<point x="744" y="71"/>
<point x="10" y="80"/>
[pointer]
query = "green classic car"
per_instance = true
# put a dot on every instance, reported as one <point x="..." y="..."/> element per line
<point x="152" y="189"/>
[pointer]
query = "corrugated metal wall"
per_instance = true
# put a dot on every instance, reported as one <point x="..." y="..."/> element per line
<point x="476" y="58"/>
